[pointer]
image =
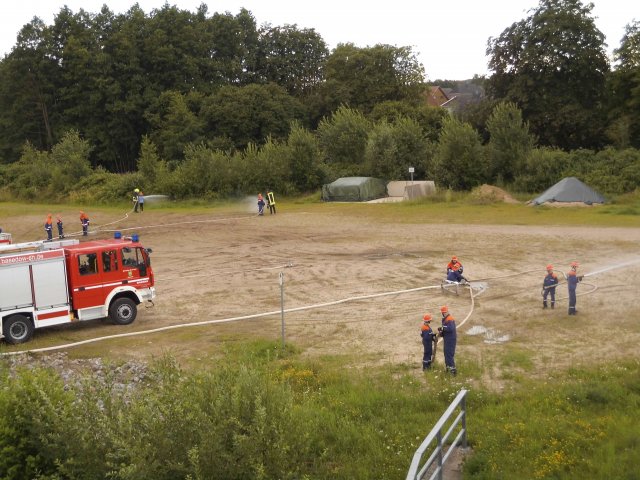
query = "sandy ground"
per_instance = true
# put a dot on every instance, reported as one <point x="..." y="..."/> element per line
<point x="228" y="265"/>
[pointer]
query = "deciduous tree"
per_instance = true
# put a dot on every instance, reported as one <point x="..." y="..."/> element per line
<point x="553" y="66"/>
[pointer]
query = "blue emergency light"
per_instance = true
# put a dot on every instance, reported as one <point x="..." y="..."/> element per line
<point x="117" y="235"/>
<point x="134" y="237"/>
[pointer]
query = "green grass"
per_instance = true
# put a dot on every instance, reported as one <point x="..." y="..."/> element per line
<point x="342" y="423"/>
<point x="456" y="208"/>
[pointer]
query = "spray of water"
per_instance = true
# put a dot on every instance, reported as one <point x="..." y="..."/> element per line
<point x="613" y="267"/>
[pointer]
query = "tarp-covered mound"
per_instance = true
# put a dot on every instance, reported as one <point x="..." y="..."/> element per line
<point x="354" y="189"/>
<point x="570" y="190"/>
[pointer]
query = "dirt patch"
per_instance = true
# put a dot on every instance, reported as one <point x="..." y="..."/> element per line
<point x="491" y="194"/>
<point x="359" y="286"/>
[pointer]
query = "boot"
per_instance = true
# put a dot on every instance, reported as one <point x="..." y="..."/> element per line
<point x="553" y="305"/>
<point x="426" y="366"/>
<point x="544" y="304"/>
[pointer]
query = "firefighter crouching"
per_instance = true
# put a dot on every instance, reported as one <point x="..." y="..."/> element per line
<point x="549" y="287"/>
<point x="448" y="333"/>
<point x="454" y="270"/>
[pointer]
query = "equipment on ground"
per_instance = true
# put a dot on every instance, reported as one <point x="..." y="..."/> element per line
<point x="449" y="286"/>
<point x="52" y="283"/>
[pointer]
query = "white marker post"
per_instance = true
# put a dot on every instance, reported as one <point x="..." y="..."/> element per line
<point x="282" y="305"/>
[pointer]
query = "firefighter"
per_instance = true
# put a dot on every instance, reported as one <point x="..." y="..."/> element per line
<point x="260" y="204"/>
<point x="549" y="287"/>
<point x="271" y="202"/>
<point x="428" y="337"/>
<point x="60" y="227"/>
<point x="84" y="220"/>
<point x="454" y="270"/>
<point x="135" y="199"/>
<point x="572" y="281"/>
<point x="141" y="201"/>
<point x="448" y="333"/>
<point x="48" y="227"/>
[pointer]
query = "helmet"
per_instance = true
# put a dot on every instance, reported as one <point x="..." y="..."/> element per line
<point x="137" y="190"/>
<point x="444" y="309"/>
<point x="549" y="267"/>
<point x="427" y="317"/>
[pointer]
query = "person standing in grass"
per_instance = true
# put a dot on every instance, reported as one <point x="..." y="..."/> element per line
<point x="260" y="204"/>
<point x="448" y="333"/>
<point x="572" y="281"/>
<point x="141" y="201"/>
<point x="549" y="287"/>
<point x="428" y="337"/>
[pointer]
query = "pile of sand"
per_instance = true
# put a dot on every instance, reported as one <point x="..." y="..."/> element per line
<point x="490" y="194"/>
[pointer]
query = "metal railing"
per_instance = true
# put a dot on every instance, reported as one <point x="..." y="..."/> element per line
<point x="417" y="473"/>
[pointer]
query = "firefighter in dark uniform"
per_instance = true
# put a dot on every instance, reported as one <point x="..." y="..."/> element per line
<point x="84" y="220"/>
<point x="454" y="270"/>
<point x="448" y="333"/>
<point x="549" y="287"/>
<point x="572" y="281"/>
<point x="48" y="227"/>
<point x="60" y="227"/>
<point x="428" y="337"/>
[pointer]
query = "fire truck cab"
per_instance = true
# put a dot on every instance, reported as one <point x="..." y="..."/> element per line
<point x="50" y="283"/>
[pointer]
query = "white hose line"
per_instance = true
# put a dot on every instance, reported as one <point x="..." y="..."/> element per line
<point x="99" y="228"/>
<point x="224" y="320"/>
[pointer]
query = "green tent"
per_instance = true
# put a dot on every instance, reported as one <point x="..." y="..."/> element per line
<point x="354" y="189"/>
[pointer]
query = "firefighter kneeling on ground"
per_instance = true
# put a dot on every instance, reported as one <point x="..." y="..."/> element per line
<point x="448" y="333"/>
<point x="428" y="339"/>
<point x="454" y="270"/>
<point x="549" y="287"/>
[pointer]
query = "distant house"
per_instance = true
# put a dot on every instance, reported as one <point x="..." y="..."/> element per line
<point x="452" y="100"/>
<point x="436" y="96"/>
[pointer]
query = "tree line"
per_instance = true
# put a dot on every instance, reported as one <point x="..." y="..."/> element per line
<point x="190" y="103"/>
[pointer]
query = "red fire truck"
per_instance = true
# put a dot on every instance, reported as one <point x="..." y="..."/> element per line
<point x="50" y="283"/>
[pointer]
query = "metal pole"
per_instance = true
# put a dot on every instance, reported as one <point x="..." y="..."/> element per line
<point x="440" y="447"/>
<point x="282" y="305"/>
<point x="463" y="405"/>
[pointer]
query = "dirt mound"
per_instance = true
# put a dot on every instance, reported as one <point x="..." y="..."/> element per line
<point x="490" y="194"/>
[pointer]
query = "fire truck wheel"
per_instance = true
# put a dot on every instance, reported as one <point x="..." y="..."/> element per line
<point x="17" y="329"/>
<point x="123" y="311"/>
